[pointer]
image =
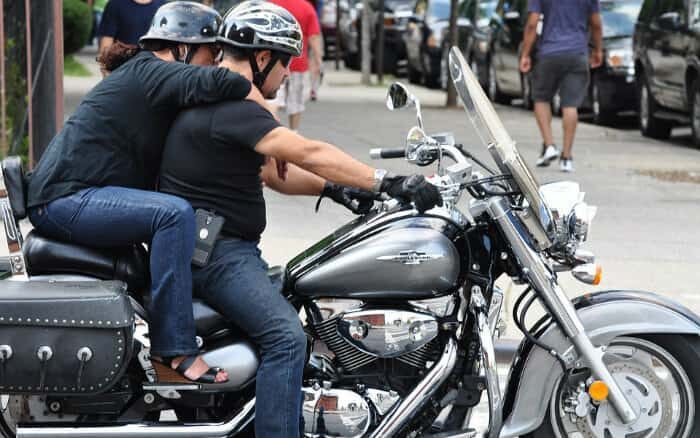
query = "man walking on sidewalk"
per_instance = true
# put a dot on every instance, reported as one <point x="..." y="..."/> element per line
<point x="562" y="66"/>
<point x="297" y="90"/>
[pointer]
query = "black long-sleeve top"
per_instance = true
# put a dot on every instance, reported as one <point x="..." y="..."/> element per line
<point x="116" y="135"/>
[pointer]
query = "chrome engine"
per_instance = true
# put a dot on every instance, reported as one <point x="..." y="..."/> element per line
<point x="341" y="412"/>
<point x="358" y="337"/>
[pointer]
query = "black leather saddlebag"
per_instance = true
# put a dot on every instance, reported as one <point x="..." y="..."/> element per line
<point x="63" y="338"/>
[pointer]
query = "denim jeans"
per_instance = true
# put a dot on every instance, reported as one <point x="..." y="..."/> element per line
<point x="119" y="216"/>
<point x="235" y="284"/>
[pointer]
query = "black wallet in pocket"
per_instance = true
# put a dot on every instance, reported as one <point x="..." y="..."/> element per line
<point x="208" y="227"/>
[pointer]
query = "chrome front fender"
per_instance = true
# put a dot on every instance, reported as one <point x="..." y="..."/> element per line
<point x="605" y="315"/>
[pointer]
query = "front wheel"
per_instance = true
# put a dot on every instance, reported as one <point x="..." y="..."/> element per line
<point x="658" y="374"/>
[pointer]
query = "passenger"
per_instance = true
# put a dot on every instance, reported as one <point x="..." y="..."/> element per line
<point x="215" y="165"/>
<point x="94" y="184"/>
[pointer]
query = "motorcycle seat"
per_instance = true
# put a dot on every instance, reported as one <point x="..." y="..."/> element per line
<point x="129" y="264"/>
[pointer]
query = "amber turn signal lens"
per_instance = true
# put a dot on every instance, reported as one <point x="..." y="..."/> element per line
<point x="598" y="391"/>
<point x="598" y="275"/>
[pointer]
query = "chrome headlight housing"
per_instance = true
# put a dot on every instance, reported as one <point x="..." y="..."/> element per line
<point x="572" y="216"/>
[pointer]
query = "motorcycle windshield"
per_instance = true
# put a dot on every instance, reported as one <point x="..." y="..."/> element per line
<point x="494" y="136"/>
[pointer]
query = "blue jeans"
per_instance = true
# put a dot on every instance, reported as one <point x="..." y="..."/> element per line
<point x="235" y="284"/>
<point x="119" y="216"/>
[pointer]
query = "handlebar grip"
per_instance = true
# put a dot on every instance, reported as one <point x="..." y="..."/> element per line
<point x="379" y="153"/>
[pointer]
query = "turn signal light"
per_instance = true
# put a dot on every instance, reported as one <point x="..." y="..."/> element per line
<point x="598" y="391"/>
<point x="589" y="273"/>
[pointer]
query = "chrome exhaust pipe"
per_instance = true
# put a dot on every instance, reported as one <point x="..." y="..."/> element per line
<point x="403" y="413"/>
<point x="144" y="430"/>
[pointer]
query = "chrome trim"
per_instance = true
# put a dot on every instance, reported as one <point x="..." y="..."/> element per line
<point x="410" y="257"/>
<point x="405" y="411"/>
<point x="387" y="333"/>
<point x="495" y="311"/>
<point x="559" y="305"/>
<point x="144" y="430"/>
<point x="383" y="401"/>
<point x="488" y="356"/>
<point x="335" y="413"/>
<point x="13" y="234"/>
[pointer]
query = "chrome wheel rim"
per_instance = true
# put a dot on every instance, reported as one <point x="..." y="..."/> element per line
<point x="657" y="386"/>
<point x="644" y="108"/>
<point x="596" y="101"/>
<point x="492" y="81"/>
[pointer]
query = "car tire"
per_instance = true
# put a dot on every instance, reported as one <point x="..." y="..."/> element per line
<point x="649" y="125"/>
<point x="602" y="115"/>
<point x="476" y="69"/>
<point x="556" y="105"/>
<point x="492" y="86"/>
<point x="414" y="76"/>
<point x="695" y="112"/>
<point x="432" y="78"/>
<point x="352" y="61"/>
<point x="526" y="91"/>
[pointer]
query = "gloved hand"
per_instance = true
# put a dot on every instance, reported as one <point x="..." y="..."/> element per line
<point x="413" y="188"/>
<point x="346" y="195"/>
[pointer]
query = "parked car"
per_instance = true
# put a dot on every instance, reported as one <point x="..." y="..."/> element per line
<point x="667" y="66"/>
<point x="396" y="13"/>
<point x="612" y="87"/>
<point x="497" y="52"/>
<point x="428" y="42"/>
<point x="479" y="12"/>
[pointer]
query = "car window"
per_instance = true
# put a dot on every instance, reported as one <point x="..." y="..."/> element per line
<point x="619" y="17"/>
<point x="647" y="11"/>
<point x="694" y="11"/>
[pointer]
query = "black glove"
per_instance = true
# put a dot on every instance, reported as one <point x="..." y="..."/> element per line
<point x="413" y="188"/>
<point x="356" y="200"/>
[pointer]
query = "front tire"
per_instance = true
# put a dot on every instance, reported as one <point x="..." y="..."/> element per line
<point x="492" y="89"/>
<point x="602" y="115"/>
<point x="659" y="373"/>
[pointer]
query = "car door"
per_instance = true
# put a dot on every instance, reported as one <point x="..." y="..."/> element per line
<point x="666" y="53"/>
<point x="507" y="45"/>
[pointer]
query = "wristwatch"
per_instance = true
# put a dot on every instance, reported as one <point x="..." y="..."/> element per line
<point x="379" y="175"/>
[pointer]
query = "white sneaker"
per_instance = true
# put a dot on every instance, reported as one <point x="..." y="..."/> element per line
<point x="549" y="154"/>
<point x="566" y="165"/>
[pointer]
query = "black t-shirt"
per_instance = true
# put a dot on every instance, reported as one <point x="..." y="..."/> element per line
<point x="126" y="20"/>
<point x="210" y="160"/>
<point x="116" y="135"/>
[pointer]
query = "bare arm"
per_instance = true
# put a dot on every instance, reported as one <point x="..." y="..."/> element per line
<point x="529" y="37"/>
<point x="317" y="157"/>
<point x="317" y="50"/>
<point x="596" y="26"/>
<point x="104" y="45"/>
<point x="297" y="182"/>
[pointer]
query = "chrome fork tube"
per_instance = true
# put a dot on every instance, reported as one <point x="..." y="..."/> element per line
<point x="558" y="303"/>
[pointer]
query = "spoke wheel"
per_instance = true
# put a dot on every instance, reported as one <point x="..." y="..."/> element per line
<point x="654" y="382"/>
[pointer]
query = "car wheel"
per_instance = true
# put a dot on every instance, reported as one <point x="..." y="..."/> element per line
<point x="352" y="61"/>
<point x="649" y="125"/>
<point x="414" y="76"/>
<point x="602" y="115"/>
<point x="526" y="91"/>
<point x="695" y="112"/>
<point x="492" y="86"/>
<point x="556" y="105"/>
<point x="474" y="65"/>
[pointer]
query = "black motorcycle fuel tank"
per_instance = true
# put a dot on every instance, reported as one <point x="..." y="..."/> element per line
<point x="388" y="255"/>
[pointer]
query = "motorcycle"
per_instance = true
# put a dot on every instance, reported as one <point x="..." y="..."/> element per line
<point x="401" y="311"/>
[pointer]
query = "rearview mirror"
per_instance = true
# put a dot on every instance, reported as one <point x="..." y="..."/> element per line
<point x="397" y="97"/>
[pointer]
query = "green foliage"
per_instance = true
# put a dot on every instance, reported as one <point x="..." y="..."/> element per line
<point x="77" y="25"/>
<point x="73" y="67"/>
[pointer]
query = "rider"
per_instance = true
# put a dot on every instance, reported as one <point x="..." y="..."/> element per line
<point x="215" y="165"/>
<point x="93" y="185"/>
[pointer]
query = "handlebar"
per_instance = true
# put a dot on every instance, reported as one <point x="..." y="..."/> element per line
<point x="381" y="153"/>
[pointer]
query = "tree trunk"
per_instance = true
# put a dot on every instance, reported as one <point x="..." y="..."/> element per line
<point x="366" y="43"/>
<point x="451" y="92"/>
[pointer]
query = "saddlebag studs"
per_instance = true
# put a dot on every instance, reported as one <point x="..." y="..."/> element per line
<point x="58" y="346"/>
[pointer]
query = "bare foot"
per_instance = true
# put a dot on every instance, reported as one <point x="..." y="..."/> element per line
<point x="198" y="368"/>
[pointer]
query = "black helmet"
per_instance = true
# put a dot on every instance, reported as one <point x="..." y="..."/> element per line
<point x="262" y="25"/>
<point x="184" y="22"/>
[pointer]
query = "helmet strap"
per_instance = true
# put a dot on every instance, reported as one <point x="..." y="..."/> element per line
<point x="259" y="77"/>
<point x="189" y="54"/>
<point x="191" y="50"/>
